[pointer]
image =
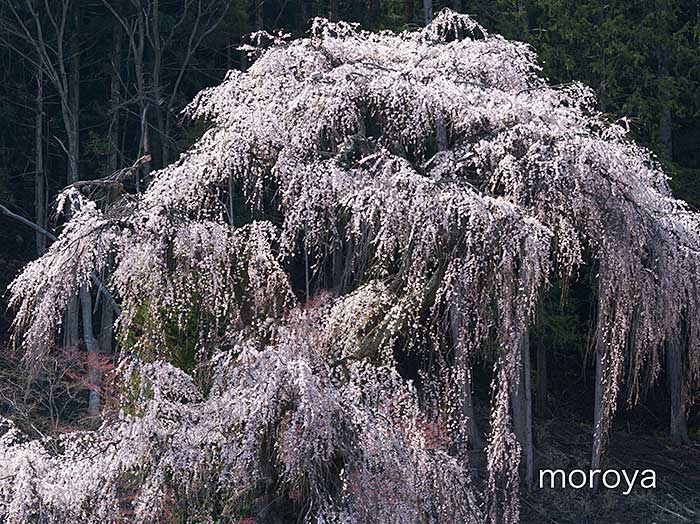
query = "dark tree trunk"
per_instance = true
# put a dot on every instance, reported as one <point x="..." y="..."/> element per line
<point x="39" y="177"/>
<point x="521" y="400"/>
<point x="338" y="261"/>
<point x="106" y="329"/>
<point x="93" y="351"/>
<point x="428" y="11"/>
<point x="678" y="392"/>
<point x="598" y="422"/>
<point x="441" y="133"/>
<point x="162" y="138"/>
<point x="71" y="324"/>
<point x="541" y="397"/>
<point x="138" y="43"/>
<point x="73" y="129"/>
<point x="115" y="98"/>
<point x="475" y="440"/>
<point x="464" y="365"/>
<point x="71" y="123"/>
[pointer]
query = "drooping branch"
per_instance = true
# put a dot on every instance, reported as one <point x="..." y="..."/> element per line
<point x="95" y="278"/>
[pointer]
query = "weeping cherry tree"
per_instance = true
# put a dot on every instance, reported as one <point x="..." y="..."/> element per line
<point x="357" y="197"/>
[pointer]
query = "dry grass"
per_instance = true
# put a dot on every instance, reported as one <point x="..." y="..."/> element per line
<point x="565" y="443"/>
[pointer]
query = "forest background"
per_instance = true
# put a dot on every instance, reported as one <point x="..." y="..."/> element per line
<point x="120" y="72"/>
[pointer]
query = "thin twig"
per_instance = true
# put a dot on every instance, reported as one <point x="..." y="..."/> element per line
<point x="670" y="511"/>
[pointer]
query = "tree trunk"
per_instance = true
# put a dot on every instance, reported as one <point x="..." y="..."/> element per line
<point x="440" y="133"/>
<point x="137" y="34"/>
<point x="106" y="349"/>
<point x="598" y="422"/>
<point x="163" y="130"/>
<point x="678" y="392"/>
<point x="70" y="324"/>
<point x="39" y="179"/>
<point x="428" y="11"/>
<point x="73" y="153"/>
<point x="73" y="129"/>
<point x="464" y="366"/>
<point x="338" y="266"/>
<point x="541" y="397"/>
<point x="306" y="266"/>
<point x="521" y="400"/>
<point x="475" y="440"/>
<point x="115" y="97"/>
<point x="106" y="328"/>
<point x="138" y="46"/>
<point x="145" y="146"/>
<point x="93" y="351"/>
<point x="71" y="123"/>
<point x="527" y="378"/>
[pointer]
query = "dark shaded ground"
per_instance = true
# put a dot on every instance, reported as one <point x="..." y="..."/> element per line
<point x="636" y="444"/>
<point x="639" y="441"/>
